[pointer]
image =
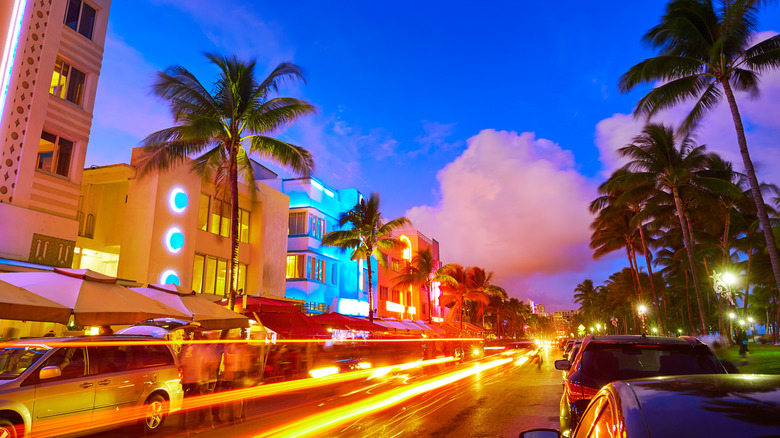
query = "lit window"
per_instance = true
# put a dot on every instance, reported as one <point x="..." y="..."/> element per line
<point x="220" y="218"/>
<point x="243" y="225"/>
<point x="295" y="266"/>
<point x="316" y="269"/>
<point x="80" y="17"/>
<point x="197" y="273"/>
<point x="222" y="277"/>
<point x="67" y="82"/>
<point x="203" y="212"/>
<point x="396" y="265"/>
<point x="396" y="297"/>
<point x="213" y="278"/>
<point x="54" y="154"/>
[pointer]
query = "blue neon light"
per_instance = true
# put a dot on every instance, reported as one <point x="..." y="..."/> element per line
<point x="170" y="277"/>
<point x="174" y="240"/>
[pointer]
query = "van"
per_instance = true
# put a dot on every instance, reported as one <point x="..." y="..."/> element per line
<point x="76" y="386"/>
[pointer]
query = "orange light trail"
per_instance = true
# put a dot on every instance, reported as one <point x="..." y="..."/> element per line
<point x="87" y="343"/>
<point x="319" y="423"/>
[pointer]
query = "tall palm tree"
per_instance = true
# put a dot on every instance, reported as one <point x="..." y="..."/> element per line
<point x="585" y="296"/>
<point x="367" y="235"/>
<point x="706" y="47"/>
<point x="657" y="161"/>
<point x="480" y="281"/>
<point x="422" y="272"/>
<point x="219" y="125"/>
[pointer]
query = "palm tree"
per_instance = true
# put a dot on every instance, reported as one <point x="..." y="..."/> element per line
<point x="369" y="233"/>
<point x="462" y="289"/>
<point x="218" y="126"/>
<point x="585" y="296"/>
<point x="480" y="282"/>
<point x="705" y="48"/>
<point x="422" y="272"/>
<point x="657" y="161"/>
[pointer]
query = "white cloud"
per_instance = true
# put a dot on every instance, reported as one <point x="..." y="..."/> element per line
<point x="435" y="137"/>
<point x="512" y="204"/>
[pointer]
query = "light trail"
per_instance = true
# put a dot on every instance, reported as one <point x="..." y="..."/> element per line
<point x="321" y="422"/>
<point x="118" y="343"/>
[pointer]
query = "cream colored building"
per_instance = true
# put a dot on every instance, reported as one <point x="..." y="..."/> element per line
<point x="52" y="53"/>
<point x="170" y="227"/>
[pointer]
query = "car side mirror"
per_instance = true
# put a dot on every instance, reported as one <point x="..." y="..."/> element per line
<point x="50" y="372"/>
<point x="540" y="433"/>
<point x="562" y="365"/>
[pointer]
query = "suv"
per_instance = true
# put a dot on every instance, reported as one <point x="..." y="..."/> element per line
<point x="70" y="386"/>
<point x="604" y="359"/>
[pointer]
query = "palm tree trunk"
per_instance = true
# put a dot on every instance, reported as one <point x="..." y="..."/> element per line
<point x="636" y="270"/>
<point x="430" y="302"/>
<point x="689" y="250"/>
<point x="370" y="290"/>
<point x="747" y="277"/>
<point x="652" y="283"/>
<point x="234" y="237"/>
<point x="688" y="301"/>
<point x="763" y="217"/>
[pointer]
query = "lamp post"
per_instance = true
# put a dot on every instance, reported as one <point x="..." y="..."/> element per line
<point x="752" y="330"/>
<point x="731" y="324"/>
<point x="641" y="310"/>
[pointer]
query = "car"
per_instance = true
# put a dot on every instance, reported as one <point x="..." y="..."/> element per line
<point x="571" y="348"/>
<point x="604" y="359"/>
<point x="717" y="405"/>
<point x="72" y="386"/>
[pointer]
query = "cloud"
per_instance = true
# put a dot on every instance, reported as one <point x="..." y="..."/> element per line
<point x="716" y="130"/>
<point x="434" y="137"/>
<point x="514" y="205"/>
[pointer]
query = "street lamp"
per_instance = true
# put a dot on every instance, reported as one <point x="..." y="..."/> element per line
<point x="641" y="310"/>
<point x="655" y="330"/>
<point x="752" y="329"/>
<point x="722" y="283"/>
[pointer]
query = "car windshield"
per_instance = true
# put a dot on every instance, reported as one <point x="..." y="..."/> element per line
<point x="15" y="360"/>
<point x="602" y="364"/>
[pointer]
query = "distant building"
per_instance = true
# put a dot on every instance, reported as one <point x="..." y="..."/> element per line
<point x="562" y="319"/>
<point x="53" y="51"/>
<point x="173" y="228"/>
<point x="412" y="302"/>
<point x="325" y="278"/>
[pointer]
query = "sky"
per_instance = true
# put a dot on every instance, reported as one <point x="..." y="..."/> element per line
<point x="488" y="124"/>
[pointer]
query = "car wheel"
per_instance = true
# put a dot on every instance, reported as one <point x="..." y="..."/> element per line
<point x="7" y="429"/>
<point x="155" y="412"/>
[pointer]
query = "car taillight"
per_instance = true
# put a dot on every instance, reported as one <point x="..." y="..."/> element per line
<point x="578" y="391"/>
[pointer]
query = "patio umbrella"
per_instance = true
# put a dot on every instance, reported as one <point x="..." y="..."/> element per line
<point x="210" y="315"/>
<point x="19" y="304"/>
<point x="94" y="299"/>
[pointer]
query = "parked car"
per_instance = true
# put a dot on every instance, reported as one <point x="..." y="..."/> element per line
<point x="714" y="406"/>
<point x="604" y="359"/>
<point x="71" y="386"/>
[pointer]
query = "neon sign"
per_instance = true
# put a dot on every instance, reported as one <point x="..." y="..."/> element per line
<point x="178" y="200"/>
<point x="174" y="240"/>
<point x="169" y="277"/>
<point x="348" y="306"/>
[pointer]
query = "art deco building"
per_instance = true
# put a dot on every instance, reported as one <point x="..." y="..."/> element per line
<point x="52" y="54"/>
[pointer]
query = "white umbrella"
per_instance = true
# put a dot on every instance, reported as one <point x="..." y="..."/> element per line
<point x="19" y="304"/>
<point x="210" y="315"/>
<point x="95" y="299"/>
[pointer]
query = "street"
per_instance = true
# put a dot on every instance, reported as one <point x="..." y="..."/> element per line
<point x="499" y="402"/>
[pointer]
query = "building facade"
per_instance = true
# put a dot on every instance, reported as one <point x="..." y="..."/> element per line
<point x="52" y="56"/>
<point x="411" y="302"/>
<point x="325" y="278"/>
<point x="174" y="228"/>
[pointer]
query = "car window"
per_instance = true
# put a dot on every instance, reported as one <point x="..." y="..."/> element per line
<point x="153" y="356"/>
<point x="71" y="361"/>
<point x="605" y="363"/>
<point x="15" y="361"/>
<point x="110" y="359"/>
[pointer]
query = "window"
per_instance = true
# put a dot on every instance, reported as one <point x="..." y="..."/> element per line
<point x="67" y="82"/>
<point x="316" y="269"/>
<point x="396" y="297"/>
<point x="243" y="225"/>
<point x="80" y="17"/>
<point x="54" y="154"/>
<point x="408" y="301"/>
<point x="203" y="212"/>
<point x="297" y="223"/>
<point x="383" y="292"/>
<point x="316" y="226"/>
<point x="220" y="218"/>
<point x="334" y="270"/>
<point x="71" y="362"/>
<point x="296" y="266"/>
<point x="210" y="275"/>
<point x="396" y="266"/>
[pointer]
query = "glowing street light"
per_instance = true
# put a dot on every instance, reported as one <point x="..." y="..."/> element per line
<point x="642" y="309"/>
<point x="722" y="283"/>
<point x="679" y="331"/>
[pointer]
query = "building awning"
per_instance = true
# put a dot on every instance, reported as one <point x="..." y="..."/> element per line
<point x="263" y="304"/>
<point x="292" y="325"/>
<point x="346" y="322"/>
<point x="433" y="328"/>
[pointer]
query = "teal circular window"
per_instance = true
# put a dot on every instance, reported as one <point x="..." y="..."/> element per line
<point x="170" y="277"/>
<point x="178" y="200"/>
<point x="174" y="240"/>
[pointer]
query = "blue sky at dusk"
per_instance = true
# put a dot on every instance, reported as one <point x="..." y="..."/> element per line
<point x="489" y="125"/>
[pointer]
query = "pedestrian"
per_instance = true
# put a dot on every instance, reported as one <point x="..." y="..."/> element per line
<point x="50" y="334"/>
<point x="194" y="378"/>
<point x="742" y="340"/>
<point x="106" y="330"/>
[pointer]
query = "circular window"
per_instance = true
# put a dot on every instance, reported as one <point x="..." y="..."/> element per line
<point x="169" y="277"/>
<point x="174" y="240"/>
<point x="178" y="200"/>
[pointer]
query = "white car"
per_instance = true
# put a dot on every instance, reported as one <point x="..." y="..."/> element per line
<point x="74" y="386"/>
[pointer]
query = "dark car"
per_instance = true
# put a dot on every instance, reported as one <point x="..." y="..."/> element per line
<point x="714" y="406"/>
<point x="605" y="359"/>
